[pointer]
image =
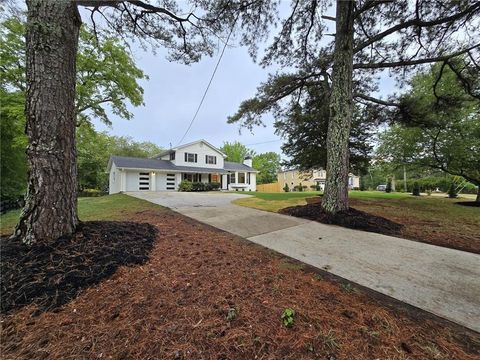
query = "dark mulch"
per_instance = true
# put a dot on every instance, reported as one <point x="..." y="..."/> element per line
<point x="206" y="294"/>
<point x="52" y="275"/>
<point x="351" y="218"/>
<point x="469" y="203"/>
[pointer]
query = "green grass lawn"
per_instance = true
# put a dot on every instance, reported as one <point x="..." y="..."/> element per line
<point x="111" y="207"/>
<point x="276" y="201"/>
<point x="433" y="219"/>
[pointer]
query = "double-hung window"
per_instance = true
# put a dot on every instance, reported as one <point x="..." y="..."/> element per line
<point x="190" y="157"/>
<point x="210" y="159"/>
<point x="241" y="178"/>
<point x="231" y="178"/>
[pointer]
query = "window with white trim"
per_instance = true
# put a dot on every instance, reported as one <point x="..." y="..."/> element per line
<point x="241" y="178"/>
<point x="192" y="177"/>
<point x="231" y="178"/>
<point x="190" y="157"/>
<point x="210" y="159"/>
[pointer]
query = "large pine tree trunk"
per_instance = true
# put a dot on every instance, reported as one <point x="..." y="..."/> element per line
<point x="52" y="40"/>
<point x="341" y="109"/>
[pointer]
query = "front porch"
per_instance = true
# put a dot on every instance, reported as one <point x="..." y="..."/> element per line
<point x="231" y="180"/>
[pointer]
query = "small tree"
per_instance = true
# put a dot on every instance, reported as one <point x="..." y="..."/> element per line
<point x="416" y="189"/>
<point x="388" y="189"/>
<point x="452" y="192"/>
<point x="286" y="188"/>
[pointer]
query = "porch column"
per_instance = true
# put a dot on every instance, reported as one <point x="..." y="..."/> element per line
<point x="153" y="181"/>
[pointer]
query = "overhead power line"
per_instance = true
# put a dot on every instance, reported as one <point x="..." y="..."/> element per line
<point x="264" y="142"/>
<point x="209" y="83"/>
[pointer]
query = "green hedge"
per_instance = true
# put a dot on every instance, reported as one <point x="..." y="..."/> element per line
<point x="188" y="186"/>
<point x="91" y="193"/>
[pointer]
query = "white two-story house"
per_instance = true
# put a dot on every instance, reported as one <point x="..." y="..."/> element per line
<point x="198" y="161"/>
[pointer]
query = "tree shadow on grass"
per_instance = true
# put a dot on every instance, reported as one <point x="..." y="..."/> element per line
<point x="52" y="275"/>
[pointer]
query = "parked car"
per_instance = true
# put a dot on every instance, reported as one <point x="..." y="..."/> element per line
<point x="381" y="187"/>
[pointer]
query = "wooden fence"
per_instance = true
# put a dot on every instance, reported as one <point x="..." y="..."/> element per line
<point x="272" y="187"/>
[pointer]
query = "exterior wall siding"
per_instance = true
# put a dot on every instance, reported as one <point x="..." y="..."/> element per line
<point x="115" y="178"/>
<point x="201" y="150"/>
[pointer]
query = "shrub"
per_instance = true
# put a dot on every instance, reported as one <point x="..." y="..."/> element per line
<point x="91" y="193"/>
<point x="388" y="189"/>
<point x="304" y="188"/>
<point x="213" y="186"/>
<point x="452" y="192"/>
<point x="300" y="187"/>
<point x="198" y="186"/>
<point x="185" y="185"/>
<point x="286" y="188"/>
<point x="313" y="187"/>
<point x="416" y="189"/>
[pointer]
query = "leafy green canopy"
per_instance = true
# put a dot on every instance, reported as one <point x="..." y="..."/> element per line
<point x="267" y="164"/>
<point x="437" y="126"/>
<point x="13" y="176"/>
<point x="94" y="149"/>
<point x="107" y="77"/>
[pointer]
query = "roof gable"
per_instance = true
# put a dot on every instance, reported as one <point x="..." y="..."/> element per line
<point x="197" y="142"/>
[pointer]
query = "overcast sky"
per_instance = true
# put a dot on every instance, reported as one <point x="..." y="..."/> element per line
<point x="174" y="91"/>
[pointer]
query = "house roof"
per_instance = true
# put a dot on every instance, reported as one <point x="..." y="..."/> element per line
<point x="189" y="144"/>
<point x="228" y="165"/>
<point x="156" y="164"/>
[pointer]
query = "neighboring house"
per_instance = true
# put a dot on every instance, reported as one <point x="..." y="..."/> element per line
<point x="198" y="161"/>
<point x="294" y="177"/>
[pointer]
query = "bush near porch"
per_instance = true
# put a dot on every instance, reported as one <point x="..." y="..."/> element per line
<point x="187" y="186"/>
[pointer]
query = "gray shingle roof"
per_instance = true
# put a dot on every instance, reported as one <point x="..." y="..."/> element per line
<point x="155" y="164"/>
<point x="228" y="165"/>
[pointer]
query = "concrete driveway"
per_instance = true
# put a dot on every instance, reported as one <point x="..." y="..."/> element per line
<point x="442" y="281"/>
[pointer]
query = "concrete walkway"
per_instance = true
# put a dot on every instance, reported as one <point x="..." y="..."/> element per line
<point x="442" y="281"/>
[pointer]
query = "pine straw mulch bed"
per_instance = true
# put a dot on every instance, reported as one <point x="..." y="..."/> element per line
<point x="351" y="218"/>
<point x="400" y="224"/>
<point x="175" y="306"/>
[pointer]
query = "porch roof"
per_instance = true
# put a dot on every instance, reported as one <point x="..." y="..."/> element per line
<point x="164" y="165"/>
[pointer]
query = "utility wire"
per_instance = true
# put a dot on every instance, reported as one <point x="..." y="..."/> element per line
<point x="264" y="142"/>
<point x="209" y="83"/>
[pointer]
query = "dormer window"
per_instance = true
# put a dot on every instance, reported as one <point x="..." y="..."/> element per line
<point x="190" y="157"/>
<point x="210" y="159"/>
<point x="172" y="156"/>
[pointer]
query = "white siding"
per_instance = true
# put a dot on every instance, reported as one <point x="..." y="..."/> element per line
<point x="201" y="149"/>
<point x="115" y="178"/>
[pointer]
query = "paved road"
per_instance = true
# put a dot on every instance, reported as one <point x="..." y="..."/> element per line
<point x="442" y="281"/>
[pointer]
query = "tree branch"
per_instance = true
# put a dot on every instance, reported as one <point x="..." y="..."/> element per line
<point x="401" y="63"/>
<point x="375" y="100"/>
<point x="416" y="22"/>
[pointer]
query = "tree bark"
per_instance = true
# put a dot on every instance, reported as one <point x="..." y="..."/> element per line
<point x="335" y="198"/>
<point x="51" y="202"/>
<point x="478" y="194"/>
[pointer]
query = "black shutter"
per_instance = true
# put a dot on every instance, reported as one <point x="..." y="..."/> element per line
<point x="209" y="178"/>
<point x="195" y="157"/>
<point x="186" y="157"/>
